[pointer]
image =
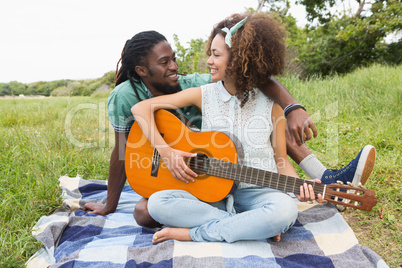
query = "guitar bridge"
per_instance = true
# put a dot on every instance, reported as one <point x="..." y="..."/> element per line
<point x="156" y="160"/>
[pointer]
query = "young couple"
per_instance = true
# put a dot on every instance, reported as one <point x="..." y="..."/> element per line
<point x="245" y="52"/>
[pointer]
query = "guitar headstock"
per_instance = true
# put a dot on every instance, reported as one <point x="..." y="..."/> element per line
<point x="350" y="196"/>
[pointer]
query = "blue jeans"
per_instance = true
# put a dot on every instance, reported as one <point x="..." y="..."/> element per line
<point x="261" y="213"/>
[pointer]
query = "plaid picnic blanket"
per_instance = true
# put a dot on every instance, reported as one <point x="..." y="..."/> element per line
<point x="320" y="238"/>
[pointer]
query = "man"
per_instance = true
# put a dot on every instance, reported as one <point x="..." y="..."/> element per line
<point x="149" y="68"/>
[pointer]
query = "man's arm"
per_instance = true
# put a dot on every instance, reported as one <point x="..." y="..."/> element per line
<point x="116" y="179"/>
<point x="299" y="122"/>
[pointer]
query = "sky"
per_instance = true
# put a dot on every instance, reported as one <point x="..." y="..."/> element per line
<point x="46" y="40"/>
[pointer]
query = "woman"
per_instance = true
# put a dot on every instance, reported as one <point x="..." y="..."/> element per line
<point x="243" y="52"/>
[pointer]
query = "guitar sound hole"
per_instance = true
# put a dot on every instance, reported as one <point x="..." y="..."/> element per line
<point x="199" y="164"/>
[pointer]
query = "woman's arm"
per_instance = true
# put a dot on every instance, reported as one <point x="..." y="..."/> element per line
<point x="278" y="141"/>
<point x="144" y="115"/>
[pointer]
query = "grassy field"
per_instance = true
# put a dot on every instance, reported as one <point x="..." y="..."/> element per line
<point x="42" y="139"/>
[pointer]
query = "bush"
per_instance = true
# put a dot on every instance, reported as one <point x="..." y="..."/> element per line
<point x="61" y="91"/>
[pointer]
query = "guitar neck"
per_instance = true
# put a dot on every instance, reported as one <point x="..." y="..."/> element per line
<point x="260" y="177"/>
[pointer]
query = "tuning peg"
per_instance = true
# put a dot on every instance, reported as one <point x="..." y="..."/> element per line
<point x="339" y="182"/>
<point x="361" y="185"/>
<point x="350" y="184"/>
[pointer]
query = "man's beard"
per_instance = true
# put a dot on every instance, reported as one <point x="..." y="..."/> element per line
<point x="166" y="88"/>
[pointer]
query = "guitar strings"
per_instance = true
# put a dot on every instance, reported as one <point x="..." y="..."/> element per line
<point x="228" y="170"/>
<point x="231" y="171"/>
<point x="282" y="182"/>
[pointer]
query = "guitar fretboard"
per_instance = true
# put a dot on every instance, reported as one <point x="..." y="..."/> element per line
<point x="259" y="177"/>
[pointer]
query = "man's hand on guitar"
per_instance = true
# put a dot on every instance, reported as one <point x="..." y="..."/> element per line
<point x="174" y="160"/>
<point x="307" y="193"/>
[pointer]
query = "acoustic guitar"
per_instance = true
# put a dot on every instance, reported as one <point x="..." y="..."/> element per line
<point x="218" y="164"/>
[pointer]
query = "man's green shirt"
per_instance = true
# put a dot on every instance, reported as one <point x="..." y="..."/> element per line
<point x="123" y="97"/>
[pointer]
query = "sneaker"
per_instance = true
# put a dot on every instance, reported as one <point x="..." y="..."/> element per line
<point x="356" y="172"/>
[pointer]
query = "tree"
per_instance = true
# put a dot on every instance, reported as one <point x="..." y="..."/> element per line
<point x="342" y="44"/>
<point x="12" y="88"/>
<point x="318" y="9"/>
<point x="278" y="6"/>
<point x="44" y="88"/>
<point x="339" y="41"/>
<point x="108" y="78"/>
<point x="5" y="89"/>
<point x="191" y="59"/>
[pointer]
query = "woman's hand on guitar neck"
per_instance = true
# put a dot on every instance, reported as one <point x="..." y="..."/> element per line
<point x="307" y="193"/>
<point x="174" y="160"/>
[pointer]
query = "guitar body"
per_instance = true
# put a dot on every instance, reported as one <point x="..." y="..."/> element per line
<point x="147" y="173"/>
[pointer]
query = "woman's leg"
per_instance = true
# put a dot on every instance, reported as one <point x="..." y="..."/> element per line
<point x="262" y="213"/>
<point x="176" y="208"/>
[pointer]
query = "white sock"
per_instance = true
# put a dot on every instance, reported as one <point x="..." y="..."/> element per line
<point x="312" y="167"/>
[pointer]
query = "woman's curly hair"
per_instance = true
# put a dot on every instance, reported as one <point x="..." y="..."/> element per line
<point x="257" y="52"/>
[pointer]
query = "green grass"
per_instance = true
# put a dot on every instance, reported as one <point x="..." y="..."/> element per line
<point x="34" y="152"/>
<point x="43" y="139"/>
<point x="352" y="111"/>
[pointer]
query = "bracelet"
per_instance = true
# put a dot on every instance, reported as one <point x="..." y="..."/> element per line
<point x="291" y="108"/>
<point x="290" y="105"/>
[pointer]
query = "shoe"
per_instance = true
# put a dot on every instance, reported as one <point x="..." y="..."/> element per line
<point x="356" y="172"/>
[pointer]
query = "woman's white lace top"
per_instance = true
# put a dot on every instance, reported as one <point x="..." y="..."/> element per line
<point x="251" y="124"/>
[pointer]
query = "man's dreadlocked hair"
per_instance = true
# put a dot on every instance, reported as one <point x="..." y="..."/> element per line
<point x="257" y="52"/>
<point x="134" y="53"/>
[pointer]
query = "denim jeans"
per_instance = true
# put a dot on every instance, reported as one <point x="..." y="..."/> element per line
<point x="261" y="213"/>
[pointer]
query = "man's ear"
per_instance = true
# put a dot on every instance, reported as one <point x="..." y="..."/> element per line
<point x="141" y="70"/>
